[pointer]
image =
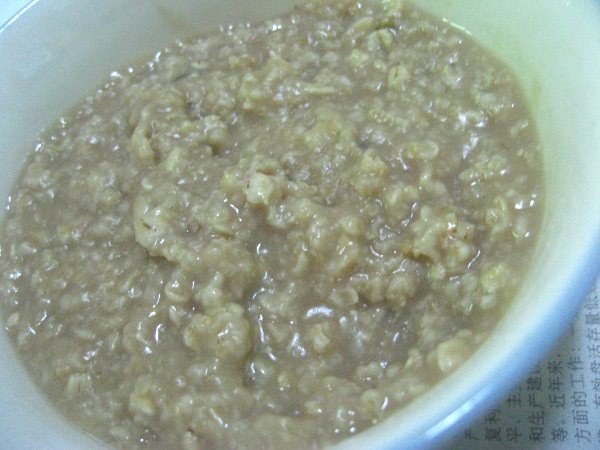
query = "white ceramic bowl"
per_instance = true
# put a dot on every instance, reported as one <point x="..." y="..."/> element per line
<point x="54" y="52"/>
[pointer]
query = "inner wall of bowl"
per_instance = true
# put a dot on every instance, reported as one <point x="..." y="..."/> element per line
<point x="56" y="52"/>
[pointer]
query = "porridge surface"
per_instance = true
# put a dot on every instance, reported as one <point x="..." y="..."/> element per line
<point x="273" y="235"/>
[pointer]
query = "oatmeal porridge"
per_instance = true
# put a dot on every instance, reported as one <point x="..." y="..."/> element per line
<point x="273" y="235"/>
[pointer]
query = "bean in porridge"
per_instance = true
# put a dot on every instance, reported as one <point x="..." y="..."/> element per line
<point x="276" y="234"/>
